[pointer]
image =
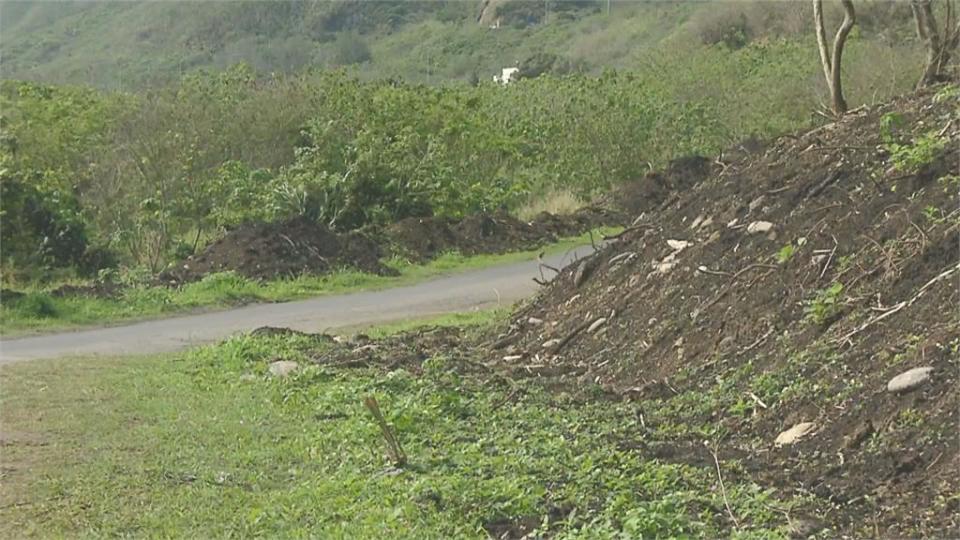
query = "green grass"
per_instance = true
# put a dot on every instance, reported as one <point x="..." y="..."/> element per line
<point x="206" y="444"/>
<point x="39" y="311"/>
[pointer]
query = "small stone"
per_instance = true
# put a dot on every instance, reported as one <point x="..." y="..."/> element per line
<point x="696" y="222"/>
<point x="732" y="223"/>
<point x="512" y="357"/>
<point x="665" y="267"/>
<point x="754" y="204"/>
<point x="706" y="223"/>
<point x="795" y="433"/>
<point x="908" y="380"/>
<point x="534" y="320"/>
<point x="759" y="227"/>
<point x="282" y="368"/>
<point x="551" y="343"/>
<point x="678" y="245"/>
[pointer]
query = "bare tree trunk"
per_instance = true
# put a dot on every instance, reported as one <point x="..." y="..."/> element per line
<point x="939" y="48"/>
<point x="831" y="63"/>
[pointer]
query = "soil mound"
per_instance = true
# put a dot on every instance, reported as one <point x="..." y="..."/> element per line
<point x="784" y="288"/>
<point x="284" y="249"/>
<point x="96" y="290"/>
<point x="494" y="233"/>
<point x="658" y="189"/>
<point x="421" y="239"/>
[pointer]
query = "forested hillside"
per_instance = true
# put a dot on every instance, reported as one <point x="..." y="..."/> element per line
<point x="128" y="45"/>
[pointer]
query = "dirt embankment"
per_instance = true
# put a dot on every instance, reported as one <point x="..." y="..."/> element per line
<point x="773" y="309"/>
<point x="788" y="289"/>
<point x="299" y="246"/>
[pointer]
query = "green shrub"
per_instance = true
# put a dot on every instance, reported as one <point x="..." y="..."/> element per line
<point x="825" y="305"/>
<point x="35" y="305"/>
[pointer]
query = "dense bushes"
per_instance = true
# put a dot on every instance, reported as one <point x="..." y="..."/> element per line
<point x="154" y="176"/>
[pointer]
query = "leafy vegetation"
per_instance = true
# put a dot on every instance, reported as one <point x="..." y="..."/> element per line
<point x="300" y="456"/>
<point x="825" y="305"/>
<point x="909" y="156"/>
<point x="96" y="179"/>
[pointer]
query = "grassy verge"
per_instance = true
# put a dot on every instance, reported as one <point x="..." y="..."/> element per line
<point x="207" y="444"/>
<point x="40" y="311"/>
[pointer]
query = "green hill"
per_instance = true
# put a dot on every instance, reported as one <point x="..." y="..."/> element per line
<point x="126" y="45"/>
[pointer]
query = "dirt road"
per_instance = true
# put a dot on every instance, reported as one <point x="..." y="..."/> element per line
<point x="460" y="292"/>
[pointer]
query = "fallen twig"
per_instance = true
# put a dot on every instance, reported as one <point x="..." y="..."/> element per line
<point x="706" y="270"/>
<point x="829" y="259"/>
<point x="897" y="307"/>
<point x="723" y="489"/>
<point x="573" y="333"/>
<point x="627" y="230"/>
<point x="759" y="340"/>
<point x="752" y="267"/>
<point x="757" y="400"/>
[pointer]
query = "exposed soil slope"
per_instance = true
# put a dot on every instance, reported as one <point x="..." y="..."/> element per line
<point x="720" y="332"/>
<point x="299" y="246"/>
<point x="284" y="249"/>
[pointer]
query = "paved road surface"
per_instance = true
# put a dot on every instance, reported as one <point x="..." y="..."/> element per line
<point x="460" y="292"/>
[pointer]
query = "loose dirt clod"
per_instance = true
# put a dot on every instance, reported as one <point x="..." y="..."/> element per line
<point x="795" y="433"/>
<point x="909" y="380"/>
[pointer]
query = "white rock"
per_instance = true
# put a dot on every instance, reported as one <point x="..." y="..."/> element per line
<point x="282" y="368"/>
<point x="512" y="357"/>
<point x="696" y="222"/>
<point x="678" y="245"/>
<point x="732" y="223"/>
<point x="534" y="320"/>
<point x="706" y="223"/>
<point x="795" y="433"/>
<point x="551" y="343"/>
<point x="759" y="227"/>
<point x="665" y="267"/>
<point x="908" y="380"/>
<point x="754" y="204"/>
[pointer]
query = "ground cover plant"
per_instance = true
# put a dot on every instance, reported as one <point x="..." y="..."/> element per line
<point x="209" y="443"/>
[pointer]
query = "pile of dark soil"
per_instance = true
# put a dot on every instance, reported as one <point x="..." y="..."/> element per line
<point x="658" y="189"/>
<point x="96" y="290"/>
<point x="783" y="288"/>
<point x="421" y="239"/>
<point x="299" y="246"/>
<point x="284" y="249"/>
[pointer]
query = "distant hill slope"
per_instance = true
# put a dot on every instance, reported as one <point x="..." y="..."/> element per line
<point x="127" y="45"/>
